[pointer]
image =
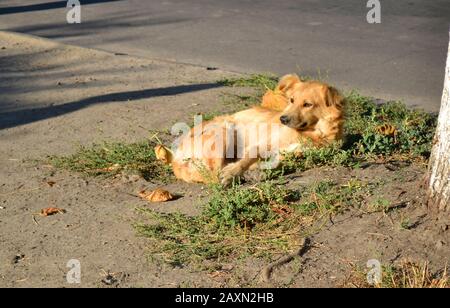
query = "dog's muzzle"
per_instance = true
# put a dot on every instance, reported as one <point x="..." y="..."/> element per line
<point x="285" y="120"/>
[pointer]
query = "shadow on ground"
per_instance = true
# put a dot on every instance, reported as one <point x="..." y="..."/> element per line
<point x="20" y="117"/>
<point x="28" y="78"/>
<point x="44" y="6"/>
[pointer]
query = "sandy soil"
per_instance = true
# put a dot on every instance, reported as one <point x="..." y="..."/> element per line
<point x="55" y="97"/>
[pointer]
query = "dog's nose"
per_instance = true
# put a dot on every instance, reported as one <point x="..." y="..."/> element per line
<point x="284" y="119"/>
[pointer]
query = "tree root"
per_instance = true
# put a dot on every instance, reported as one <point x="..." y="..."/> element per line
<point x="267" y="271"/>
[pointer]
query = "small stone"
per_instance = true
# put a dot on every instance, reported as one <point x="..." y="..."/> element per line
<point x="17" y="258"/>
<point x="109" y="280"/>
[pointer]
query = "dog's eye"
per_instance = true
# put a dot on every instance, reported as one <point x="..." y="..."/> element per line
<point x="307" y="104"/>
<point x="291" y="100"/>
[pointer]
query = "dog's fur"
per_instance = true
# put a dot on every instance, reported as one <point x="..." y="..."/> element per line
<point x="277" y="99"/>
<point x="311" y="112"/>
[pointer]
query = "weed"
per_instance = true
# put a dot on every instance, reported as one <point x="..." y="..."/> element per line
<point x="405" y="274"/>
<point x="240" y="102"/>
<point x="380" y="205"/>
<point x="235" y="222"/>
<point x="326" y="198"/>
<point x="266" y="81"/>
<point x="410" y="131"/>
<point x="259" y="221"/>
<point x="108" y="159"/>
<point x="246" y="206"/>
<point x="406" y="224"/>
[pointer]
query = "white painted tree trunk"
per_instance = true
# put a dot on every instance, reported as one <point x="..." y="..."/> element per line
<point x="439" y="168"/>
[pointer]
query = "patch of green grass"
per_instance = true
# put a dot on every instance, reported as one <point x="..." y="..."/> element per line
<point x="262" y="220"/>
<point x="328" y="198"/>
<point x="380" y="205"/>
<point x="264" y="81"/>
<point x="332" y="155"/>
<point x="259" y="82"/>
<point x="387" y="129"/>
<point x="246" y="206"/>
<point x="240" y="102"/>
<point x="238" y="222"/>
<point x="205" y="117"/>
<point x="406" y="224"/>
<point x="109" y="159"/>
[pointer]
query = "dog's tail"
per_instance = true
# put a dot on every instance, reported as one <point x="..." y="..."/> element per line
<point x="163" y="154"/>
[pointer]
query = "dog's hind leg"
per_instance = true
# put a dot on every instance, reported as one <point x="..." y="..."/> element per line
<point x="235" y="169"/>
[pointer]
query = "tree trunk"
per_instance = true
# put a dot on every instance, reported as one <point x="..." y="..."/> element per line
<point x="439" y="168"/>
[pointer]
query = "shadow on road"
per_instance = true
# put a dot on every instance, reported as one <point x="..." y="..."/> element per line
<point x="44" y="6"/>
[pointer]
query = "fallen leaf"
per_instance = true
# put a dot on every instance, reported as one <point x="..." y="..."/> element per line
<point x="387" y="130"/>
<point x="51" y="211"/>
<point x="158" y="195"/>
<point x="162" y="153"/>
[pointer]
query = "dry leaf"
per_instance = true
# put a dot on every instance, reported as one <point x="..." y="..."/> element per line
<point x="387" y="130"/>
<point x="51" y="211"/>
<point x="158" y="195"/>
<point x="162" y="153"/>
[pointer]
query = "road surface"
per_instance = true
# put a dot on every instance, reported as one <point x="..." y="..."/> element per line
<point x="401" y="58"/>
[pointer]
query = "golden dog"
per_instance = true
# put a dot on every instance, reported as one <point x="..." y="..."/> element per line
<point x="227" y="146"/>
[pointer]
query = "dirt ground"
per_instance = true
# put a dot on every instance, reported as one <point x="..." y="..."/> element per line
<point x="55" y="97"/>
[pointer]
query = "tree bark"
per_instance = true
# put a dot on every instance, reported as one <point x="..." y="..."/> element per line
<point x="439" y="167"/>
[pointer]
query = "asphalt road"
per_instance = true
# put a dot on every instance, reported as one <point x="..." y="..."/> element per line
<point x="401" y="58"/>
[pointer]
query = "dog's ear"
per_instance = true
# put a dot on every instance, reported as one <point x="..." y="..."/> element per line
<point x="287" y="82"/>
<point x="334" y="98"/>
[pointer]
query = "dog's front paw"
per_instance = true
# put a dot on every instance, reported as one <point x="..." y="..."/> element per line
<point x="229" y="173"/>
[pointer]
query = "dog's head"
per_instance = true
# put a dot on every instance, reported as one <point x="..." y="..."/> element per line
<point x="309" y="102"/>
